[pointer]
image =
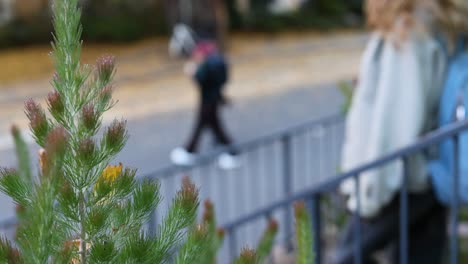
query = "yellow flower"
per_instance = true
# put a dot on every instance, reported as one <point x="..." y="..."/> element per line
<point x="111" y="173"/>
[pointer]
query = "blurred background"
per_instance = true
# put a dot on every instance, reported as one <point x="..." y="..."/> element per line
<point x="287" y="58"/>
<point x="285" y="55"/>
<point x="28" y="21"/>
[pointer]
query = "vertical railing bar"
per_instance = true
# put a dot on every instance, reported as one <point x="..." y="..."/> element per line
<point x="357" y="219"/>
<point x="204" y="171"/>
<point x="320" y="154"/>
<point x="404" y="213"/>
<point x="232" y="243"/>
<point x="287" y="169"/>
<point x="152" y="223"/>
<point x="265" y="169"/>
<point x="317" y="227"/>
<point x="251" y="190"/>
<point x="455" y="204"/>
<point x="328" y="152"/>
<point x="256" y="180"/>
<point x="309" y="159"/>
<point x="231" y="195"/>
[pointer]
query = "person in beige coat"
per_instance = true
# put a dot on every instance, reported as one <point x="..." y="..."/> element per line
<point x="395" y="103"/>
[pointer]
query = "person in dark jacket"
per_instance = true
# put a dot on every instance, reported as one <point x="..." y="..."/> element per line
<point x="209" y="70"/>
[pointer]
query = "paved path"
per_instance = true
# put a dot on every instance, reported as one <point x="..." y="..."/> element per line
<point x="149" y="83"/>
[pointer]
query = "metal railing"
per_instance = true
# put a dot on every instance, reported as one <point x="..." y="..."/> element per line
<point x="273" y="167"/>
<point x="278" y="169"/>
<point x="313" y="197"/>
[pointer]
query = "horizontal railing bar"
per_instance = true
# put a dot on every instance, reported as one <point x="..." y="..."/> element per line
<point x="10" y="222"/>
<point x="426" y="141"/>
<point x="246" y="146"/>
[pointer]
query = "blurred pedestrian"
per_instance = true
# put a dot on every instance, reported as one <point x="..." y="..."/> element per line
<point x="396" y="101"/>
<point x="209" y="69"/>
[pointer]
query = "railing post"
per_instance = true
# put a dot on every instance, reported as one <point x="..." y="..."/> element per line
<point x="287" y="183"/>
<point x="232" y="243"/>
<point x="404" y="213"/>
<point x="357" y="227"/>
<point x="152" y="223"/>
<point x="455" y="203"/>
<point x="315" y="209"/>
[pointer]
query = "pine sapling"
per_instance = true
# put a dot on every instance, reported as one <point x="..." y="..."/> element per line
<point x="81" y="208"/>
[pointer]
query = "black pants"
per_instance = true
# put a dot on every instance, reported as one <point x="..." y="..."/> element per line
<point x="208" y="117"/>
<point x="427" y="221"/>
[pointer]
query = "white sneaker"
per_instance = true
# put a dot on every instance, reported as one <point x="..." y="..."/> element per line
<point x="228" y="161"/>
<point x="182" y="157"/>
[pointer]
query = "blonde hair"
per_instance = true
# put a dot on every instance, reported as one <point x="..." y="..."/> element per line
<point x="397" y="17"/>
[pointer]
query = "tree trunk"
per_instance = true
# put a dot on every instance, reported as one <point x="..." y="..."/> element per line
<point x="222" y="23"/>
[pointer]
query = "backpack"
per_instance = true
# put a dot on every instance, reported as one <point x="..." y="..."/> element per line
<point x="453" y="103"/>
<point x="211" y="76"/>
<point x="218" y="69"/>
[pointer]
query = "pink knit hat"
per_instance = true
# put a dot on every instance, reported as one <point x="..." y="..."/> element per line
<point x="205" y="48"/>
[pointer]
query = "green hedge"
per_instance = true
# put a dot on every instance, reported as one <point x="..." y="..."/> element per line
<point x="122" y="20"/>
<point x="321" y="14"/>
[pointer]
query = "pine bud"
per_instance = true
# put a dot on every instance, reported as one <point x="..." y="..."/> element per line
<point x="115" y="136"/>
<point x="188" y="194"/>
<point x="56" y="106"/>
<point x="67" y="193"/>
<point x="89" y="117"/>
<point x="56" y="143"/>
<point x="15" y="131"/>
<point x="273" y="226"/>
<point x="220" y="233"/>
<point x="200" y="232"/>
<point x="9" y="253"/>
<point x="20" y="209"/>
<point x="37" y="120"/>
<point x="248" y="256"/>
<point x="300" y="210"/>
<point x="105" y="68"/>
<point x="86" y="151"/>
<point x="208" y="216"/>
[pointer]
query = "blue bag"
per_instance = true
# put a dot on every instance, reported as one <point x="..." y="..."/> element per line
<point x="453" y="103"/>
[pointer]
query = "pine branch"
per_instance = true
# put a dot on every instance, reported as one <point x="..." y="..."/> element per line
<point x="81" y="204"/>
<point x="181" y="216"/>
<point x="303" y="235"/>
<point x="247" y="256"/>
<point x="22" y="153"/>
<point x="266" y="242"/>
<point x="194" y="249"/>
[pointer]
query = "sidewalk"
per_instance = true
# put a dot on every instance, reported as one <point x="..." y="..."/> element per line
<point x="148" y="82"/>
